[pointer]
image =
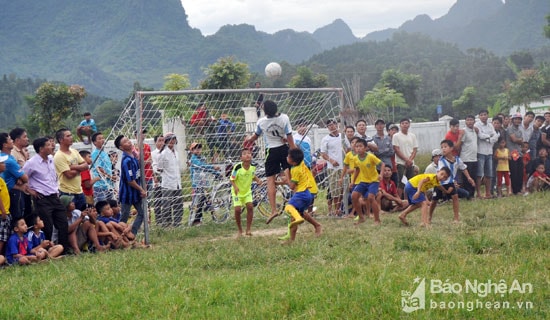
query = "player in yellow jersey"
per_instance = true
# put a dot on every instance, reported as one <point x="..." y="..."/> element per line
<point x="349" y="170"/>
<point x="415" y="189"/>
<point x="367" y="181"/>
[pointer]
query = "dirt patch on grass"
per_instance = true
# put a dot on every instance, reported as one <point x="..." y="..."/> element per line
<point x="256" y="233"/>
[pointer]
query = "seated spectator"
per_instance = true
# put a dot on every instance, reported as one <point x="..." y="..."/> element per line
<point x="120" y="234"/>
<point x="19" y="250"/>
<point x="388" y="198"/>
<point x="82" y="233"/>
<point x="37" y="239"/>
<point x="538" y="180"/>
<point x="86" y="127"/>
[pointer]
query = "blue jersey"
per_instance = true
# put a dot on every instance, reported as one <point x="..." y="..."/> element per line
<point x="107" y="219"/>
<point x="100" y="159"/>
<point x="17" y="245"/>
<point x="90" y="123"/>
<point x="34" y="239"/>
<point x="129" y="171"/>
<point x="199" y="171"/>
<point x="13" y="171"/>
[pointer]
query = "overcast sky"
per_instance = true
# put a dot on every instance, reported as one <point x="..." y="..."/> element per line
<point x="362" y="16"/>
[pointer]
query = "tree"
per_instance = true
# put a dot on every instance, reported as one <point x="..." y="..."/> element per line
<point x="406" y="84"/>
<point x="529" y="86"/>
<point x="381" y="100"/>
<point x="107" y="114"/>
<point x="175" y="82"/>
<point x="305" y="78"/>
<point x="466" y="104"/>
<point x="53" y="104"/>
<point x="226" y="74"/>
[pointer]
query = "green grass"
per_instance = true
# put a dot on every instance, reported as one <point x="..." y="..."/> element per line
<point x="348" y="273"/>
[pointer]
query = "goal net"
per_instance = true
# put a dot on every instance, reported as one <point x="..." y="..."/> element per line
<point x="219" y="120"/>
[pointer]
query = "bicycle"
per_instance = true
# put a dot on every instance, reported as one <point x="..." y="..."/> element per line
<point x="215" y="200"/>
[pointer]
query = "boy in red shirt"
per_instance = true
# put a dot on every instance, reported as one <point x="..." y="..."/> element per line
<point x="87" y="181"/>
<point x="388" y="198"/>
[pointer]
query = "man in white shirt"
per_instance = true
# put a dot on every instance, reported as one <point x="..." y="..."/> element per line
<point x="486" y="138"/>
<point x="405" y="146"/>
<point x="332" y="151"/>
<point x="157" y="190"/>
<point x="169" y="168"/>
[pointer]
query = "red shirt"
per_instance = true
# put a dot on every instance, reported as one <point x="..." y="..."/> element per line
<point x="454" y="138"/>
<point x="198" y="116"/>
<point x="85" y="176"/>
<point x="389" y="187"/>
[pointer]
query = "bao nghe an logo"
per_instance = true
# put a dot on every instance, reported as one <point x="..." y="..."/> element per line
<point x="411" y="302"/>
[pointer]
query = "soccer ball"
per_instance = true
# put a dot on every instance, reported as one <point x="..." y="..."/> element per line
<point x="273" y="70"/>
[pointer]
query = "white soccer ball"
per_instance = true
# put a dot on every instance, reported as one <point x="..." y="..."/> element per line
<point x="273" y="70"/>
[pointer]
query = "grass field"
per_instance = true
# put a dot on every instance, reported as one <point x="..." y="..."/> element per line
<point x="349" y="272"/>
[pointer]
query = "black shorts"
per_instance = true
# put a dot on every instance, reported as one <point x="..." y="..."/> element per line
<point x="439" y="195"/>
<point x="275" y="160"/>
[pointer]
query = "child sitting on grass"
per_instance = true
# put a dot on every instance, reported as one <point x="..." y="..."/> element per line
<point x="242" y="175"/>
<point x="300" y="182"/>
<point x="388" y="198"/>
<point x="415" y="189"/>
<point x="43" y="248"/>
<point x="82" y="233"/>
<point x="366" y="180"/>
<point x="538" y="179"/>
<point x="19" y="250"/>
<point x="119" y="229"/>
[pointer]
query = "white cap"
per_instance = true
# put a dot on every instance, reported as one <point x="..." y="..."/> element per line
<point x="436" y="152"/>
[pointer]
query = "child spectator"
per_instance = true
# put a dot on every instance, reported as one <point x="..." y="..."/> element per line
<point x="415" y="190"/>
<point x="105" y="236"/>
<point x="241" y="180"/>
<point x="367" y="180"/>
<point x="86" y="127"/>
<point x="82" y="234"/>
<point x="37" y="239"/>
<point x="224" y="130"/>
<point x="87" y="181"/>
<point x="502" y="156"/>
<point x="19" y="249"/>
<point x="199" y="181"/>
<point x="388" y="198"/>
<point x="120" y="230"/>
<point x="116" y="208"/>
<point x="456" y="135"/>
<point x="5" y="219"/>
<point x="303" y="141"/>
<point x="450" y="187"/>
<point x="539" y="180"/>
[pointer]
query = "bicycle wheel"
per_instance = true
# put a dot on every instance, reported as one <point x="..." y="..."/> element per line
<point x="221" y="202"/>
<point x="281" y="198"/>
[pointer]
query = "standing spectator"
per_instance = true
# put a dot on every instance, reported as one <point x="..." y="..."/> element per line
<point x="514" y="140"/>
<point x="43" y="188"/>
<point x="468" y="154"/>
<point x="526" y="126"/>
<point x="169" y="168"/>
<point x="147" y="160"/>
<point x="86" y="127"/>
<point x="332" y="152"/>
<point x="101" y="168"/>
<point x="201" y="118"/>
<point x="405" y="147"/>
<point x="486" y="138"/>
<point x="392" y="129"/>
<point x="5" y="216"/>
<point x="303" y="141"/>
<point x="21" y="154"/>
<point x="87" y="181"/>
<point x="361" y="126"/>
<point x="545" y="130"/>
<point x="278" y="140"/>
<point x="535" y="141"/>
<point x="131" y="192"/>
<point x="349" y="133"/>
<point x="15" y="178"/>
<point x="502" y="155"/>
<point x="225" y="129"/>
<point x="384" y="142"/>
<point x="199" y="180"/>
<point x="68" y="165"/>
<point x="456" y="135"/>
<point x="157" y="190"/>
<point x="501" y="133"/>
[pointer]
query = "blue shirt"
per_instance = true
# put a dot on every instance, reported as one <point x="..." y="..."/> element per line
<point x="104" y="162"/>
<point x="35" y="240"/>
<point x="225" y="127"/>
<point x="107" y="219"/>
<point x="129" y="171"/>
<point x="90" y="123"/>
<point x="17" y="245"/>
<point x="199" y="171"/>
<point x="13" y="171"/>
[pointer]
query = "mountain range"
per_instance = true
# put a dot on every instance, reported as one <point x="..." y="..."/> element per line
<point x="107" y="46"/>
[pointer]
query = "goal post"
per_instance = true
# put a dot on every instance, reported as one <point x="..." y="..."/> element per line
<point x="219" y="120"/>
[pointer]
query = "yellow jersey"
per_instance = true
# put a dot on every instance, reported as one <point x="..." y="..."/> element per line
<point x="303" y="178"/>
<point x="367" y="168"/>
<point x="431" y="183"/>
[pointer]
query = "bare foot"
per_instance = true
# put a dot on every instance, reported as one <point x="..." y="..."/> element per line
<point x="249" y="234"/>
<point x="377" y="223"/>
<point x="403" y="220"/>
<point x="240" y="234"/>
<point x="318" y="231"/>
<point x="287" y="243"/>
<point x="358" y="222"/>
<point x="273" y="216"/>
